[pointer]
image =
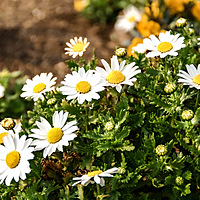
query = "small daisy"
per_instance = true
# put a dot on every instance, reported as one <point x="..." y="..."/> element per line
<point x="77" y="46"/>
<point x="118" y="74"/>
<point x="36" y="87"/>
<point x="128" y="20"/>
<point x="97" y="175"/>
<point x="192" y="78"/>
<point x="165" y="44"/>
<point x="14" y="156"/>
<point x="2" y="90"/>
<point x="4" y="132"/>
<point x="51" y="138"/>
<point x="82" y="85"/>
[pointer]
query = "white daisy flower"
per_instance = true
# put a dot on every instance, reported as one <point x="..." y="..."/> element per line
<point x="82" y="85"/>
<point x="198" y="40"/>
<point x="2" y="90"/>
<point x="192" y="78"/>
<point x="140" y="48"/>
<point x="77" y="46"/>
<point x="51" y="138"/>
<point x="97" y="175"/>
<point x="118" y="74"/>
<point x="36" y="87"/>
<point x="165" y="44"/>
<point x="4" y="132"/>
<point x="128" y="20"/>
<point x="14" y="156"/>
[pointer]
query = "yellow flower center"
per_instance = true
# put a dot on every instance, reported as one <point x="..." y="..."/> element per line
<point x="39" y="87"/>
<point x="12" y="159"/>
<point x="115" y="77"/>
<point x="79" y="47"/>
<point x="164" y="47"/>
<point x="90" y="174"/>
<point x="2" y="135"/>
<point x="83" y="87"/>
<point x="54" y="135"/>
<point x="196" y="79"/>
<point x="131" y="19"/>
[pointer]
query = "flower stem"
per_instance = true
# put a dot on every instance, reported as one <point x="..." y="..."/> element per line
<point x="197" y="100"/>
<point x="98" y="192"/>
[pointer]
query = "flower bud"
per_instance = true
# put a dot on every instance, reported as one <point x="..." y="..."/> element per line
<point x="191" y="31"/>
<point x="187" y="114"/>
<point x="8" y="123"/>
<point x="181" y="22"/>
<point x="161" y="150"/>
<point x="179" y="180"/>
<point x="169" y="87"/>
<point x="51" y="101"/>
<point x="120" y="52"/>
<point x="109" y="126"/>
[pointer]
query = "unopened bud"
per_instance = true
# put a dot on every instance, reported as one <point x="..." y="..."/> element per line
<point x="169" y="87"/>
<point x="120" y="52"/>
<point x="161" y="150"/>
<point x="109" y="126"/>
<point x="179" y="180"/>
<point x="51" y="101"/>
<point x="187" y="114"/>
<point x="8" y="123"/>
<point x="181" y="22"/>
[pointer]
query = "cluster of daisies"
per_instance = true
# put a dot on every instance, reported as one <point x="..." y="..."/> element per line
<point x="15" y="151"/>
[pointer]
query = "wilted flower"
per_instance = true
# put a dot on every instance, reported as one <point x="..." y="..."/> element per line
<point x="187" y="114"/>
<point x="97" y="175"/>
<point x="161" y="150"/>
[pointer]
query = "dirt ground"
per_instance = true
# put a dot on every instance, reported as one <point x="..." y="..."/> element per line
<point x="33" y="34"/>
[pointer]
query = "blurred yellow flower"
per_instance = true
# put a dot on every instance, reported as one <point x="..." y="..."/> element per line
<point x="153" y="10"/>
<point x="79" y="5"/>
<point x="196" y="10"/>
<point x="147" y="28"/>
<point x="176" y="6"/>
<point x="134" y="43"/>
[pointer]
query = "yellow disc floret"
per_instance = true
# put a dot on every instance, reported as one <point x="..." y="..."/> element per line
<point x="164" y="47"/>
<point x="12" y="159"/>
<point x="79" y="47"/>
<point x="90" y="174"/>
<point x="83" y="87"/>
<point x="39" y="87"/>
<point x="115" y="77"/>
<point x="131" y="19"/>
<point x="2" y="135"/>
<point x="196" y="79"/>
<point x="54" y="135"/>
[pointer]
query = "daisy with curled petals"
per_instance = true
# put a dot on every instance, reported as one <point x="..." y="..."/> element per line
<point x="82" y="85"/>
<point x="192" y="78"/>
<point x="77" y="46"/>
<point x="36" y="87"/>
<point x="51" y="138"/>
<point x="97" y="175"/>
<point x="118" y="74"/>
<point x="14" y="158"/>
<point x="128" y="20"/>
<point x="165" y="44"/>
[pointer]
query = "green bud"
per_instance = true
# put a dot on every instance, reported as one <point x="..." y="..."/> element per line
<point x="109" y="126"/>
<point x="169" y="87"/>
<point x="51" y="101"/>
<point x="179" y="180"/>
<point x="187" y="114"/>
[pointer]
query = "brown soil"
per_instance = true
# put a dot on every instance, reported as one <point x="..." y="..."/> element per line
<point x="33" y="34"/>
